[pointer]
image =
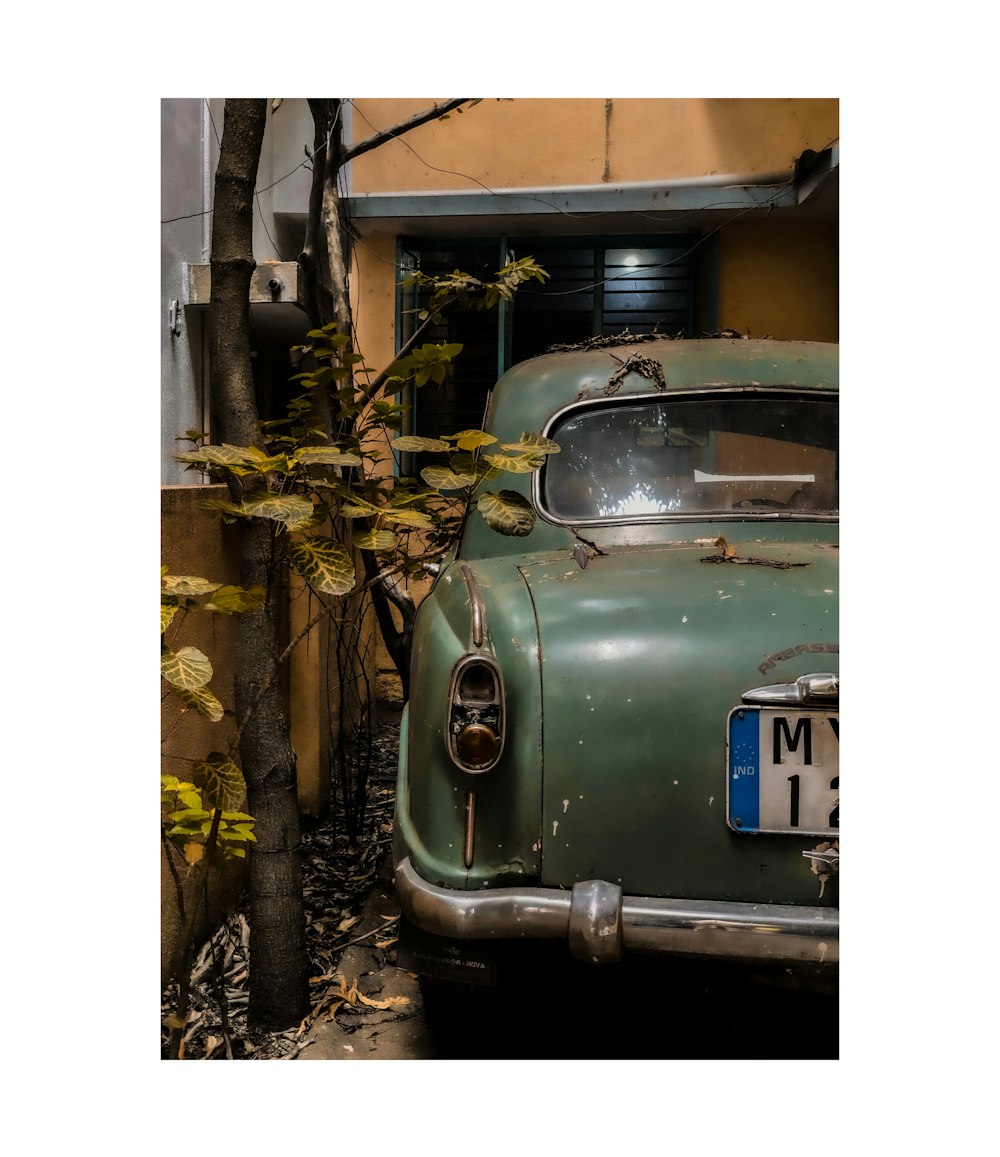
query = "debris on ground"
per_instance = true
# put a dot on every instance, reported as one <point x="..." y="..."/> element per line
<point x="339" y="874"/>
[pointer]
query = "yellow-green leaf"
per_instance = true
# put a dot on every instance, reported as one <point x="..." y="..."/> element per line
<point x="202" y="700"/>
<point x="405" y="517"/>
<point x="358" y="508"/>
<point x="374" y="539"/>
<point x="441" y="478"/>
<point x="225" y="507"/>
<point x="235" y="600"/>
<point x="325" y="456"/>
<point x="515" y="463"/>
<point x="187" y="668"/>
<point x="293" y="510"/>
<point x="264" y="465"/>
<point x="325" y="564"/>
<point x="166" y="616"/>
<point x="411" y="444"/>
<point x="182" y="584"/>
<point x="220" y="780"/>
<point x="473" y="439"/>
<point x="534" y="443"/>
<point x="507" y="512"/>
<point x="223" y="455"/>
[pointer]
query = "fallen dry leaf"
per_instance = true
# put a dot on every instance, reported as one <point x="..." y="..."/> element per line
<point x="389" y="1002"/>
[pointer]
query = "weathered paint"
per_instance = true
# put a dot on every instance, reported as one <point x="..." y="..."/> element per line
<point x="527" y="396"/>
<point x="642" y="654"/>
<point x="655" y="749"/>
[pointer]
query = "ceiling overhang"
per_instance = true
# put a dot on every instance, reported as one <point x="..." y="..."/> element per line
<point x="809" y="189"/>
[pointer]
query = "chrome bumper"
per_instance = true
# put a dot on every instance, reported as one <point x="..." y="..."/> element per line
<point x="601" y="924"/>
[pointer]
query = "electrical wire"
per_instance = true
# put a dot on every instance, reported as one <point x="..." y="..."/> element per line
<point x="475" y="180"/>
<point x="781" y="189"/>
<point x="310" y="159"/>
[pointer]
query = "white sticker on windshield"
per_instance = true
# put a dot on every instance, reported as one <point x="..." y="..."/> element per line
<point x="701" y="476"/>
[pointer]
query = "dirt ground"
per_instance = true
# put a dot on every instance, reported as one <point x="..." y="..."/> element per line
<point x="548" y="1006"/>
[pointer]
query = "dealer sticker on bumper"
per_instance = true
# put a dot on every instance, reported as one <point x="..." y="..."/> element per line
<point x="783" y="771"/>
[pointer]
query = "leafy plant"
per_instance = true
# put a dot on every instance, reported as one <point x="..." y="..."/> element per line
<point x="315" y="470"/>
<point x="203" y="813"/>
<point x="306" y="491"/>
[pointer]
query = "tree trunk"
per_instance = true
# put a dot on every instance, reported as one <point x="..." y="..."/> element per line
<point x="338" y="256"/>
<point x="279" y="966"/>
<point x="315" y="291"/>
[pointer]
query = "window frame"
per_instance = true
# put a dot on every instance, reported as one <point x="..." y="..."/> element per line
<point x="538" y="479"/>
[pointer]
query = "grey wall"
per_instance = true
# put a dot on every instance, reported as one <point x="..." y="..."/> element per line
<point x="187" y="149"/>
<point x="190" y="128"/>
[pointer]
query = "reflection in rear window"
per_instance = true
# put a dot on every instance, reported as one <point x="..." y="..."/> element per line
<point x="715" y="454"/>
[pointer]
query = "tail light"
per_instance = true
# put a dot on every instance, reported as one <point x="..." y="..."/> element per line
<point x="476" y="713"/>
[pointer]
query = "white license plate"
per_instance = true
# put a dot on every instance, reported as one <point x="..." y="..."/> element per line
<point x="783" y="771"/>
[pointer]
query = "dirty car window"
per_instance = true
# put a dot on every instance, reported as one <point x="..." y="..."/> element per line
<point x="721" y="454"/>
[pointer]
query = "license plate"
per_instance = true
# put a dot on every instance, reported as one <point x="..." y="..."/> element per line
<point x="783" y="771"/>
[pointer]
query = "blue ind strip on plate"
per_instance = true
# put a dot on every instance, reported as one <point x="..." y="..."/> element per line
<point x="744" y="770"/>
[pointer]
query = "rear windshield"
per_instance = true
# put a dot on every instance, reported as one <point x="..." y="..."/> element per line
<point x="738" y="454"/>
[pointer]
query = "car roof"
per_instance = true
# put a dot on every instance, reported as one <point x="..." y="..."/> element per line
<point x="534" y="389"/>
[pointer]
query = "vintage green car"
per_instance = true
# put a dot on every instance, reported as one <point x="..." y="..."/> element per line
<point x="623" y="724"/>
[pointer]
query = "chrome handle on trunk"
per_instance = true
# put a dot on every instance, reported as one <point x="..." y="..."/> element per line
<point x="819" y="690"/>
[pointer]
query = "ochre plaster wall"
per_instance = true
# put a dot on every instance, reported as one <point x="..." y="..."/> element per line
<point x="779" y="280"/>
<point x="194" y="542"/>
<point x="373" y="298"/>
<point x="587" y="141"/>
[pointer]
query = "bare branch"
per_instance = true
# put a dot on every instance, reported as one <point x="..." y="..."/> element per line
<point x="431" y="114"/>
<point x="327" y="609"/>
<point x="368" y="393"/>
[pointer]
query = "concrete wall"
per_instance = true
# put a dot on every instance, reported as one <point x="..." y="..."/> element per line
<point x="187" y="149"/>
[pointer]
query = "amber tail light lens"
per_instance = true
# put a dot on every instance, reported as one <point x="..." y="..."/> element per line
<point x="476" y="713"/>
<point x="477" y="745"/>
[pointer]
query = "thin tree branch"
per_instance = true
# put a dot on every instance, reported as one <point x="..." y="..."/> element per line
<point x="373" y="387"/>
<point x="328" y="609"/>
<point x="431" y="114"/>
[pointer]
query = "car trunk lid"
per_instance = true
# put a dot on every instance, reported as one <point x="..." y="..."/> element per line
<point x="644" y="653"/>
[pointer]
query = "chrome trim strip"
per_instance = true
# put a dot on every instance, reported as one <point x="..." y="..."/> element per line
<point x="470" y="826"/>
<point x="476" y="606"/>
<point x="773" y="932"/>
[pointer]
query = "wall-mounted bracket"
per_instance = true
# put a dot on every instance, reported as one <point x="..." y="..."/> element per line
<point x="174" y="318"/>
